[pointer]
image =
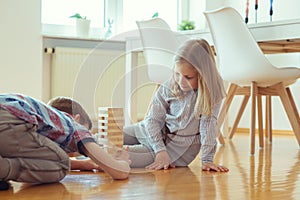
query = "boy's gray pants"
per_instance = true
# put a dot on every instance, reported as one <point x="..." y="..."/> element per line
<point x="26" y="156"/>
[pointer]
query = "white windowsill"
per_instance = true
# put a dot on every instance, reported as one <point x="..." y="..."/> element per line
<point x="63" y="31"/>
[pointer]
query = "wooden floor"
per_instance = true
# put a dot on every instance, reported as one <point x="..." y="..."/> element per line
<point x="272" y="173"/>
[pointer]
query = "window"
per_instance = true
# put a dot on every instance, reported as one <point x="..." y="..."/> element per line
<point x="172" y="11"/>
<point x="134" y="10"/>
<point x="124" y="13"/>
<point x="59" y="11"/>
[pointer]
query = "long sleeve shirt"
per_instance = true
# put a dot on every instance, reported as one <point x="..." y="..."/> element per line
<point x="58" y="126"/>
<point x="177" y="114"/>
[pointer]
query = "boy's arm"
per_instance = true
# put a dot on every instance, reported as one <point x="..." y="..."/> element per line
<point x="84" y="165"/>
<point x="117" y="169"/>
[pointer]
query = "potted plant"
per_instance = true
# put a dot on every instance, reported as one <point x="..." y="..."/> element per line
<point x="186" y="25"/>
<point x="82" y="25"/>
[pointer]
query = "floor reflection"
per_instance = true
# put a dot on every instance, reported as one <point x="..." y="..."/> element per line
<point x="272" y="173"/>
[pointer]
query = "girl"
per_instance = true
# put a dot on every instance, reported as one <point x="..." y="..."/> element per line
<point x="183" y="114"/>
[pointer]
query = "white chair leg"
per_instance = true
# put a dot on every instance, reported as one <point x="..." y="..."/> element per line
<point x="289" y="106"/>
<point x="253" y="92"/>
<point x="268" y="133"/>
<point x="260" y="121"/>
<point x="223" y="112"/>
<point x="239" y="116"/>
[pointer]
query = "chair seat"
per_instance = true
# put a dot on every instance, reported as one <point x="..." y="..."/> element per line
<point x="286" y="75"/>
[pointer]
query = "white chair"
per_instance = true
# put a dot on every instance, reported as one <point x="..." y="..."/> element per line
<point x="245" y="67"/>
<point x="159" y="46"/>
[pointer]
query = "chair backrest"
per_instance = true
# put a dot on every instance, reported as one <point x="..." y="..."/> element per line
<point x="159" y="45"/>
<point x="239" y="57"/>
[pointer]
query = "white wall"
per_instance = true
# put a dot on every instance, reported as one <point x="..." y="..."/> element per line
<point x="282" y="9"/>
<point x="21" y="47"/>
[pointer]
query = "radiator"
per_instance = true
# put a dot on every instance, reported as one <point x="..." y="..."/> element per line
<point x="94" y="77"/>
<point x="65" y="66"/>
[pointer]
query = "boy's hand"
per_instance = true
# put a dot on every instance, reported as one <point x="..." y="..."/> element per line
<point x="214" y="167"/>
<point x="162" y="161"/>
<point x="117" y="169"/>
<point x="122" y="154"/>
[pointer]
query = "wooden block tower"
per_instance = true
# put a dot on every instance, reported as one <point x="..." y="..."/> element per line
<point x="110" y="125"/>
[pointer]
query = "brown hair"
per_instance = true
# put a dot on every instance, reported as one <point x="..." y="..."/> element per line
<point x="71" y="107"/>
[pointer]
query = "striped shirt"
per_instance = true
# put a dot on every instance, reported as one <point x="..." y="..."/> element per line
<point x="58" y="126"/>
<point x="177" y="114"/>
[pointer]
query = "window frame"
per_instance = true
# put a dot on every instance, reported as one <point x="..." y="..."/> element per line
<point x="114" y="10"/>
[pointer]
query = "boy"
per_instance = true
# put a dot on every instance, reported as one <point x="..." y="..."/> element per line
<point x="36" y="137"/>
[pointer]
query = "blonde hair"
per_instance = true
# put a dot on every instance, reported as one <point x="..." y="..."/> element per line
<point x="71" y="107"/>
<point x="199" y="54"/>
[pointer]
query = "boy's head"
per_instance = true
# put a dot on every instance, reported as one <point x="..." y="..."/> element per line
<point x="73" y="108"/>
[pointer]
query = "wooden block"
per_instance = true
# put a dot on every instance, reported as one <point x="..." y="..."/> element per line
<point x="106" y="111"/>
<point x="114" y="120"/>
<point x="110" y="124"/>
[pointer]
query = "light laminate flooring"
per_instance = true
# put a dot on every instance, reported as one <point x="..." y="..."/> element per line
<point x="272" y="173"/>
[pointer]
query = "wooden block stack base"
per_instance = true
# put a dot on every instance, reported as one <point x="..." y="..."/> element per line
<point x="110" y="125"/>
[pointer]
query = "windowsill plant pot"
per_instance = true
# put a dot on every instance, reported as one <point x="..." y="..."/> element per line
<point x="82" y="25"/>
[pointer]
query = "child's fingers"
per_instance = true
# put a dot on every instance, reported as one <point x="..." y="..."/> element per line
<point x="154" y="165"/>
<point x="151" y="166"/>
<point x="217" y="168"/>
<point x="223" y="169"/>
<point x="159" y="165"/>
<point x="126" y="148"/>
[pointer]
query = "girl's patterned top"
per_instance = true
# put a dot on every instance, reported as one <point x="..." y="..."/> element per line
<point x="177" y="114"/>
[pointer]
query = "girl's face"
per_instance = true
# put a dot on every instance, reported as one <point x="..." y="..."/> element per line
<point x="186" y="76"/>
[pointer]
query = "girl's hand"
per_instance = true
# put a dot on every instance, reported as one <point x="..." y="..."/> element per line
<point x="162" y="161"/>
<point x="214" y="167"/>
